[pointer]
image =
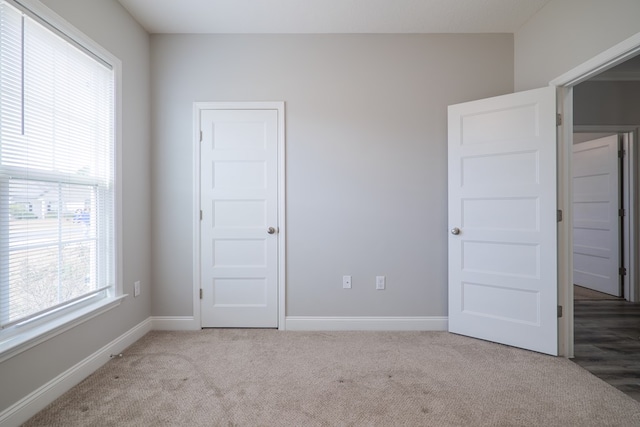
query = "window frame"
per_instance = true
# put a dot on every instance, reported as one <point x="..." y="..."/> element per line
<point x="19" y="338"/>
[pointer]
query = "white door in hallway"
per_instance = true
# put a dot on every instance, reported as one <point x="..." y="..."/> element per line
<point x="239" y="226"/>
<point x="596" y="220"/>
<point x="502" y="220"/>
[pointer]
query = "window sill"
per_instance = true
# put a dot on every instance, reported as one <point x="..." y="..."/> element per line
<point x="16" y="344"/>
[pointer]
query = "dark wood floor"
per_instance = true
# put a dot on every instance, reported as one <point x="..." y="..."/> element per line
<point x="607" y="342"/>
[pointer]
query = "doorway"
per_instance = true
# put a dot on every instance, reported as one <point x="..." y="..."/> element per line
<point x="606" y="328"/>
<point x="606" y="60"/>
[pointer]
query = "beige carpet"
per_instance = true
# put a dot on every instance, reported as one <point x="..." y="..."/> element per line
<point x="272" y="378"/>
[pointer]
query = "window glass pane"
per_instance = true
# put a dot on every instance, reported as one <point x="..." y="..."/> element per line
<point x="52" y="249"/>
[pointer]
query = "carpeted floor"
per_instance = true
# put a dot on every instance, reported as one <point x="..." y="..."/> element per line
<point x="238" y="377"/>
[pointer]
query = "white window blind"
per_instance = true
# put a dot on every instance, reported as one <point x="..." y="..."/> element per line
<point x="57" y="185"/>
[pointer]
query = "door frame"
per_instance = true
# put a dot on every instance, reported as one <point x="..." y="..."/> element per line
<point x="629" y="202"/>
<point x="564" y="85"/>
<point x="198" y="107"/>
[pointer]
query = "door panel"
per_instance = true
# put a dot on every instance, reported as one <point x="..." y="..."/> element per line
<point x="502" y="209"/>
<point x="239" y="259"/>
<point x="596" y="223"/>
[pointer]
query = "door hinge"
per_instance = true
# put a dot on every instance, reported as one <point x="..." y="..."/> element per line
<point x="621" y="212"/>
<point x="559" y="311"/>
<point x="200" y="136"/>
<point x="621" y="153"/>
<point x="622" y="271"/>
<point x="200" y="293"/>
<point x="200" y="215"/>
<point x="559" y="215"/>
<point x="558" y="119"/>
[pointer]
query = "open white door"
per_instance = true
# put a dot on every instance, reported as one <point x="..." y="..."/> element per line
<point x="503" y="220"/>
<point x="596" y="220"/>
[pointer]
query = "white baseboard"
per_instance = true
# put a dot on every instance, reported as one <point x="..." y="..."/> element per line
<point x="300" y="323"/>
<point x="175" y="323"/>
<point x="30" y="405"/>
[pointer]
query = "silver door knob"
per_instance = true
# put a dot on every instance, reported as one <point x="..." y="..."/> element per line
<point x="455" y="231"/>
<point x="271" y="230"/>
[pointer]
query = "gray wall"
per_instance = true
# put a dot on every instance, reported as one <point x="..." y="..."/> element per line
<point x="366" y="157"/>
<point x="566" y="33"/>
<point x="580" y="137"/>
<point x="607" y="103"/>
<point x="107" y="23"/>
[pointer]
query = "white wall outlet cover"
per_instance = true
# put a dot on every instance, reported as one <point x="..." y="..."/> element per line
<point x="380" y="282"/>
<point x="346" y="282"/>
<point x="136" y="288"/>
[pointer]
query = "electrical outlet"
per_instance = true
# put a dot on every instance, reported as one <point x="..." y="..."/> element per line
<point x="346" y="282"/>
<point x="136" y="288"/>
<point x="380" y="282"/>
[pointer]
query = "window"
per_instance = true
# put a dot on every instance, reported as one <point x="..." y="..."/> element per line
<point x="57" y="175"/>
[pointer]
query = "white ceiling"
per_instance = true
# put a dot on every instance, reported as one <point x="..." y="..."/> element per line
<point x="332" y="16"/>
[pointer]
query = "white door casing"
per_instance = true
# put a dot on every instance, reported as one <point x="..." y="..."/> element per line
<point x="596" y="220"/>
<point x="239" y="244"/>
<point x="502" y="199"/>
<point x="565" y="83"/>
